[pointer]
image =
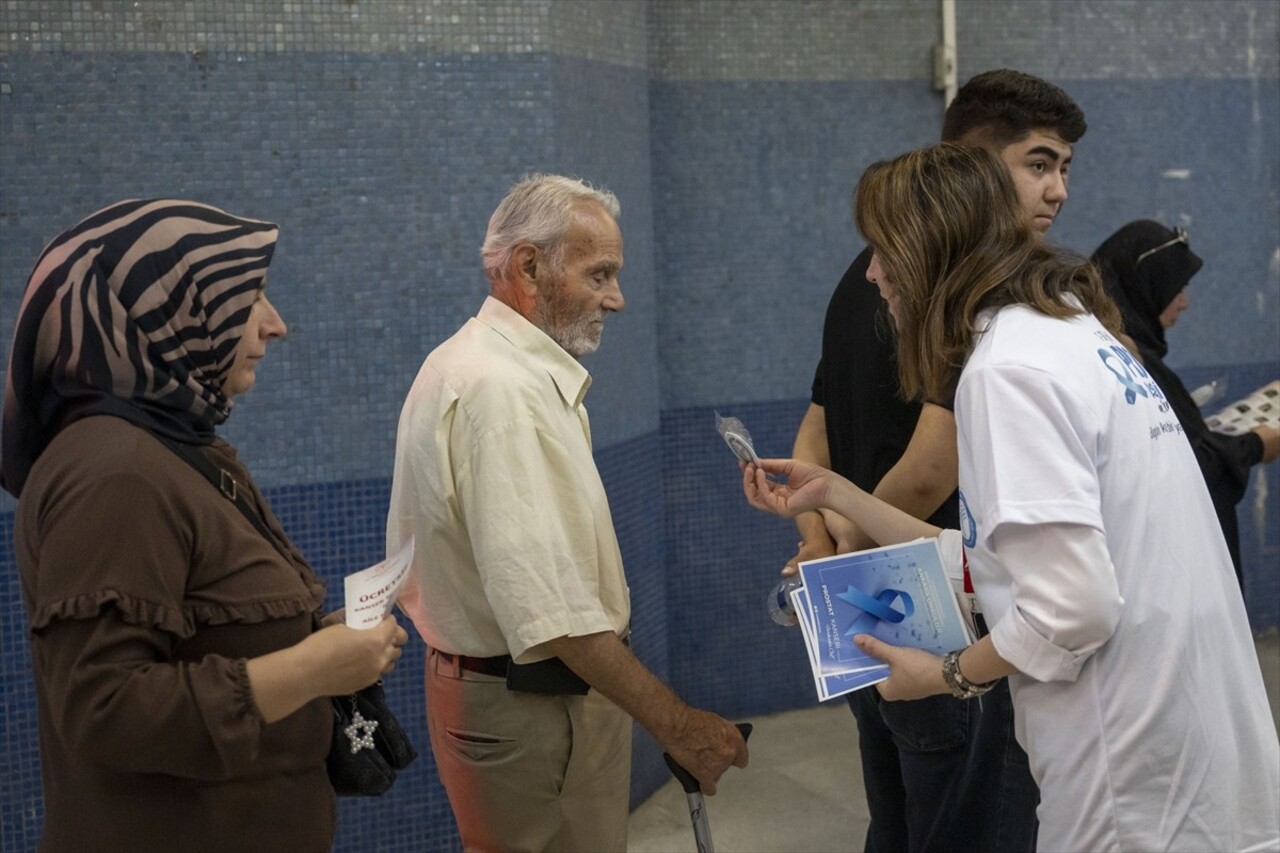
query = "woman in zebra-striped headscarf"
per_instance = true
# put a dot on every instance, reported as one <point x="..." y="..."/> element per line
<point x="135" y="312"/>
<point x="180" y="679"/>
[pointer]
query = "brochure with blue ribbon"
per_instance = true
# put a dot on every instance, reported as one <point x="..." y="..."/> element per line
<point x="900" y="594"/>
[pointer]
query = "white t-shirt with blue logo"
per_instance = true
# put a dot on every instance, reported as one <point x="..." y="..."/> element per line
<point x="1097" y="557"/>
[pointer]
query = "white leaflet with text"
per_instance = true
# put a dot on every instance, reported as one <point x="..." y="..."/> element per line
<point x="371" y="593"/>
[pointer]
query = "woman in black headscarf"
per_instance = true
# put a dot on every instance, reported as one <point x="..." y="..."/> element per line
<point x="180" y="676"/>
<point x="1146" y="267"/>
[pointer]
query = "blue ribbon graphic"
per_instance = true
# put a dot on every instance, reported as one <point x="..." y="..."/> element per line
<point x="878" y="609"/>
<point x="1132" y="390"/>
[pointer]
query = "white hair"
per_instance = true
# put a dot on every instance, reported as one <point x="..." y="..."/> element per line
<point x="537" y="210"/>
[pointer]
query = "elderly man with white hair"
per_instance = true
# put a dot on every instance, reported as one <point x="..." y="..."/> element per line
<point x="518" y="585"/>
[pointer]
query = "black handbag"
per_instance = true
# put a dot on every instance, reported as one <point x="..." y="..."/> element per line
<point x="368" y="745"/>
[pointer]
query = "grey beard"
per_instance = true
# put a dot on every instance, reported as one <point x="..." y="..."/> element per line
<point x="578" y="337"/>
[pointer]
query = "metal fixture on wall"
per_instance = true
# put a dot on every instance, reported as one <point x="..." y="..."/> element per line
<point x="944" y="54"/>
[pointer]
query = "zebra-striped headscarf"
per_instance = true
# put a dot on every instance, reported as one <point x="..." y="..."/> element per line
<point x="134" y="312"/>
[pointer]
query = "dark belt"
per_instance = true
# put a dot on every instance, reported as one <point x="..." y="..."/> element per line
<point x="551" y="676"/>
<point x="495" y="666"/>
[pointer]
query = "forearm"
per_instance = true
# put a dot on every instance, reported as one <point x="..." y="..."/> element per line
<point x="118" y="701"/>
<point x="699" y="741"/>
<point x="814" y="533"/>
<point x="1226" y="462"/>
<point x="811" y="446"/>
<point x="1270" y="437"/>
<point x="980" y="663"/>
<point x="928" y="472"/>
<point x="333" y="661"/>
<point x="905" y="488"/>
<point x="811" y="438"/>
<point x="611" y="668"/>
<point x="282" y="682"/>
<point x="916" y="674"/>
<point x="883" y="523"/>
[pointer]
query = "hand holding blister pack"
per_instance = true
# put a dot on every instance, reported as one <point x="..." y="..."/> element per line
<point x="739" y="440"/>
<point x="781" y="608"/>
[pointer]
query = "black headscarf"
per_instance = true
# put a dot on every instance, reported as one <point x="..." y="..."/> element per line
<point x="134" y="312"/>
<point x="1144" y="266"/>
<point x="1144" y="284"/>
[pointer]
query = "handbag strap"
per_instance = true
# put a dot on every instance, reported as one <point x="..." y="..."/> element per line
<point x="225" y="482"/>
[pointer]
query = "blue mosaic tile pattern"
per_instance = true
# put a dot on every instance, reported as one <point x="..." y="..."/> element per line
<point x="601" y="133"/>
<point x="308" y="26"/>
<point x="382" y="212"/>
<point x="740" y="313"/>
<point x="802" y="40"/>
<point x="20" y="799"/>
<point x="740" y="316"/>
<point x="1109" y="40"/>
<point x="810" y="40"/>
<point x="631" y="472"/>
<point x="1204" y="154"/>
<point x="725" y="558"/>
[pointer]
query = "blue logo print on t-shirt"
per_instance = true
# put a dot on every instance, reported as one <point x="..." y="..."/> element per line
<point x="968" y="527"/>
<point x="1127" y="369"/>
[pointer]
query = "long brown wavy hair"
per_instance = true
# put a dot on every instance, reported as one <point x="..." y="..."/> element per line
<point x="954" y="241"/>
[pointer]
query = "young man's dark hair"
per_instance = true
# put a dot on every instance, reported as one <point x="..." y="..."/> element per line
<point x="1004" y="105"/>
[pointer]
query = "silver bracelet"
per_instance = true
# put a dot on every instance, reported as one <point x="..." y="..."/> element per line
<point x="961" y="687"/>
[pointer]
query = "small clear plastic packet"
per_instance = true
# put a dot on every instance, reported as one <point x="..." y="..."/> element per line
<point x="736" y="436"/>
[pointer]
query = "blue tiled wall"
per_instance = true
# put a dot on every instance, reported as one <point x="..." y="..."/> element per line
<point x="381" y="216"/>
<point x="381" y="135"/>
<point x="740" y="315"/>
<point x="728" y="655"/>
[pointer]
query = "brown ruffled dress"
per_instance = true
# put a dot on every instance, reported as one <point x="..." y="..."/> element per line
<point x="147" y="592"/>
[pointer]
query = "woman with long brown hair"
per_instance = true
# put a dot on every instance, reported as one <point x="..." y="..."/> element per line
<point x="1090" y="538"/>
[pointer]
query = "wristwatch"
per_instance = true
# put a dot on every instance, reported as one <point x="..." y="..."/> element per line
<point x="961" y="687"/>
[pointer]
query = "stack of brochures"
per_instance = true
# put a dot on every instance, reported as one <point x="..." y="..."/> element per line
<point x="901" y="594"/>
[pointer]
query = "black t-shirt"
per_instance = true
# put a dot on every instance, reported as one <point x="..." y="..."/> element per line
<point x="856" y="383"/>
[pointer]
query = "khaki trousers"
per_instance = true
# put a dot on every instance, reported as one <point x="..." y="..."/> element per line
<point x="525" y="771"/>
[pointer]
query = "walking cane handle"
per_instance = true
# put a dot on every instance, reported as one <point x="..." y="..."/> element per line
<point x="687" y="780"/>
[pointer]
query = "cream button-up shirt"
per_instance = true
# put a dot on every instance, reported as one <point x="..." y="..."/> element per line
<point x="494" y="477"/>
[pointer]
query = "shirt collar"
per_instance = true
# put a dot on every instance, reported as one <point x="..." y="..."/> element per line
<point x="571" y="378"/>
